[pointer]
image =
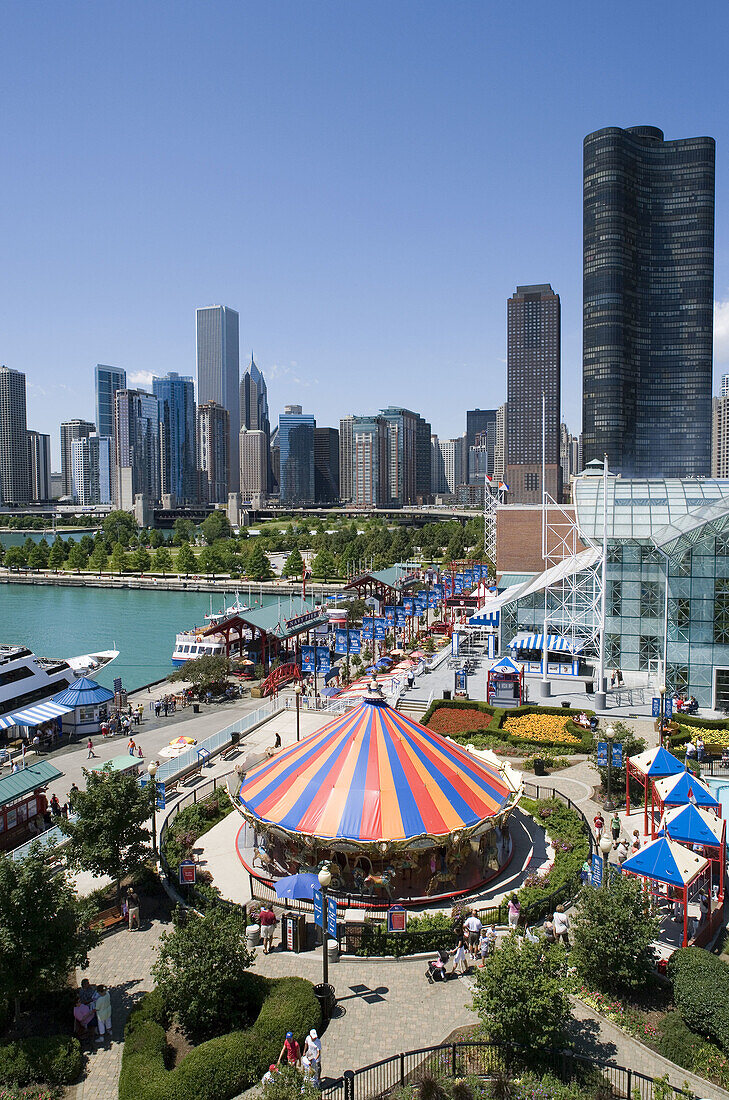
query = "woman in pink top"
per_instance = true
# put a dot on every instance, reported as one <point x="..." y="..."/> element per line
<point x="514" y="911"/>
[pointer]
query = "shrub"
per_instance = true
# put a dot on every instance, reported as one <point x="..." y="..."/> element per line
<point x="55" y="1060"/>
<point x="701" y="992"/>
<point x="584" y="738"/>
<point x="676" y="1041"/>
<point x="220" y="1068"/>
<point x="564" y="875"/>
<point x="427" y="933"/>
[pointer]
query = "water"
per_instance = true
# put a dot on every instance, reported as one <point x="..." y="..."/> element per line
<point x="720" y="789"/>
<point x="65" y="622"/>
<point x="18" y="538"/>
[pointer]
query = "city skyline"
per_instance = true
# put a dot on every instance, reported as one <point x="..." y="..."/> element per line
<point x="390" y="263"/>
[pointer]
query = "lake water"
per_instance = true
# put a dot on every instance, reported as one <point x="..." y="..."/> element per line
<point x="66" y="622"/>
<point x="18" y="538"/>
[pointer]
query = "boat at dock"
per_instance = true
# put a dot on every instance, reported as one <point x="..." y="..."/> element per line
<point x="190" y="644"/>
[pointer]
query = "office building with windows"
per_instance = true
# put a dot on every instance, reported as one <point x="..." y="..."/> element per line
<point x="71" y="430"/>
<point x="648" y="289"/>
<point x="218" y="375"/>
<point x="326" y="465"/>
<point x="402" y="454"/>
<point x="254" y="463"/>
<point x="296" y="447"/>
<point x="346" y="458"/>
<point x="91" y="470"/>
<point x="453" y="459"/>
<point x="178" y="475"/>
<point x="720" y="435"/>
<point x="107" y="380"/>
<point x="136" y="447"/>
<point x="500" y="444"/>
<point x="213" y="450"/>
<point x="370" y="481"/>
<point x="39" y="465"/>
<point x="533" y="383"/>
<point x="423" y="486"/>
<point x="438" y="482"/>
<point x="480" y="422"/>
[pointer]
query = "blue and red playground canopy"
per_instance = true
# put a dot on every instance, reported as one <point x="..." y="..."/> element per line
<point x="374" y="775"/>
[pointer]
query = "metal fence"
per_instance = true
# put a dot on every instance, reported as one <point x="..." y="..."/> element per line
<point x="486" y="1060"/>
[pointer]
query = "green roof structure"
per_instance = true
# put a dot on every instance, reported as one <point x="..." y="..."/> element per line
<point x="123" y="763"/>
<point x="290" y="616"/>
<point x="18" y="784"/>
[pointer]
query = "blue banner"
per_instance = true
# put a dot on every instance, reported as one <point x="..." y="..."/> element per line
<point x="307" y="658"/>
<point x="617" y="756"/>
<point x="323" y="658"/>
<point x="367" y="627"/>
<point x="602" y="754"/>
<point x="477" y="572"/>
<point x="381" y="629"/>
<point x="421" y="599"/>
<point x="596" y="870"/>
<point x="400" y="615"/>
<point x="655" y="707"/>
<point x="433" y="599"/>
<point x="340" y="641"/>
<point x="355" y="641"/>
<point x="459" y="584"/>
<point x="438" y="590"/>
<point x="668" y="707"/>
<point x="468" y="578"/>
<point x="408" y="604"/>
<point x="390" y="614"/>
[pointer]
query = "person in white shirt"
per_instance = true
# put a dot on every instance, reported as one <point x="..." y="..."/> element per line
<point x="459" y="959"/>
<point x="312" y="1052"/>
<point x="561" y="924"/>
<point x="472" y="925"/>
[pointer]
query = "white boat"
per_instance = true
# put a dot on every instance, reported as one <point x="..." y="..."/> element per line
<point x="190" y="644"/>
<point x="88" y="663"/>
<point x="236" y="608"/>
<point x="27" y="680"/>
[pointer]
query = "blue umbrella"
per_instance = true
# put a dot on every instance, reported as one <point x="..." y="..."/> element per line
<point x="370" y="668"/>
<point x="384" y="662"/>
<point x="298" y="887"/>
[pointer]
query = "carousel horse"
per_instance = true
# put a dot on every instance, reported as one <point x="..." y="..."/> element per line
<point x="380" y="881"/>
<point x="265" y="860"/>
<point x="440" y="878"/>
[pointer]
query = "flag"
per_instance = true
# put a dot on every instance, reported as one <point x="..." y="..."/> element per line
<point x="488" y="477"/>
<point x="503" y="485"/>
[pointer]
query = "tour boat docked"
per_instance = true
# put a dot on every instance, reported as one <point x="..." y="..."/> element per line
<point x="190" y="644"/>
<point x="236" y="608"/>
<point x="28" y="683"/>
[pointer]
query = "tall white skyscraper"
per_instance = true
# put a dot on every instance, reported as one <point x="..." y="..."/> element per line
<point x="91" y="470"/>
<point x="70" y="431"/>
<point x="218" y="374"/>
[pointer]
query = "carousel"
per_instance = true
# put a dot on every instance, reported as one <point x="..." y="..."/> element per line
<point x="398" y="811"/>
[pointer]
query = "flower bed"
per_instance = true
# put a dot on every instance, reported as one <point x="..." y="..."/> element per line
<point x="454" y="721"/>
<point x="461" y="718"/>
<point x="628" y="1018"/>
<point x="550" y="729"/>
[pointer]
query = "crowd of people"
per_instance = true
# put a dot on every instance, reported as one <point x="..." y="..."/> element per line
<point x="92" y="1011"/>
<point x="308" y="1060"/>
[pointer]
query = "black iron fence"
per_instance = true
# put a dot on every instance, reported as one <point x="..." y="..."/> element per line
<point x="487" y="1060"/>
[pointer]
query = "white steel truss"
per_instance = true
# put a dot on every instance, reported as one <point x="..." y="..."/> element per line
<point x="573" y="602"/>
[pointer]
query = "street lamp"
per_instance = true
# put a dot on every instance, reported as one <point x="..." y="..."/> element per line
<point x="610" y="737"/>
<point x="152" y="769"/>
<point x="297" y="692"/>
<point x="662" y="694"/>
<point x="325" y="881"/>
<point x="605" y="848"/>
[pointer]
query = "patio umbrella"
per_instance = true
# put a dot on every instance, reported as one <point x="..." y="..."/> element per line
<point x="171" y="751"/>
<point x="384" y="662"/>
<point x="370" y="668"/>
<point x="299" y="887"/>
<point x="182" y="742"/>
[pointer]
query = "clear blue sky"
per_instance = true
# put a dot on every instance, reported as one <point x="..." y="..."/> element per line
<point x="365" y="182"/>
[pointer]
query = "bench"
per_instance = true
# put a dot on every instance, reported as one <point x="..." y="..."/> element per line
<point x="196" y="773"/>
<point x="106" y="919"/>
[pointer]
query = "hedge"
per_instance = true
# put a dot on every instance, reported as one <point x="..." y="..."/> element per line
<point x="55" y="1060"/>
<point x="701" y="992"/>
<point x="220" y="1068"/>
<point x="427" y="933"/>
<point x="499" y="714"/>
<point x="562" y="824"/>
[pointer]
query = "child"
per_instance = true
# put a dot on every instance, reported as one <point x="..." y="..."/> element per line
<point x="483" y="946"/>
<point x="459" y="959"/>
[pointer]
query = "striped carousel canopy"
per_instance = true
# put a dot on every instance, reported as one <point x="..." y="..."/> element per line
<point x="374" y="775"/>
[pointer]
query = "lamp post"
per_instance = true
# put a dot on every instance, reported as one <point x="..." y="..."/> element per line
<point x="605" y="848"/>
<point x="610" y="737"/>
<point x="662" y="694"/>
<point x="325" y="881"/>
<point x="297" y="692"/>
<point x="152" y="770"/>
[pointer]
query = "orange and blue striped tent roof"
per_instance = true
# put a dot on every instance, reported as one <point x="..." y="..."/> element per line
<point x="372" y="775"/>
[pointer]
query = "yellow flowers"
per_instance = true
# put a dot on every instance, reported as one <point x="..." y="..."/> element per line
<point x="718" y="738"/>
<point x="550" y="728"/>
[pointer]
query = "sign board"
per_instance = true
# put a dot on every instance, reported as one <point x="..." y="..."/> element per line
<point x="331" y="913"/>
<point x="340" y="641"/>
<point x="390" y="614"/>
<point x="397" y="918"/>
<point x="655" y="707"/>
<point x="323" y="658"/>
<point x="380" y="628"/>
<point x="289" y="935"/>
<point x="602" y="754"/>
<point x="408" y="605"/>
<point x="307" y="658"/>
<point x="617" y="756"/>
<point x="461" y="680"/>
<point x="301" y="620"/>
<point x="668" y="707"/>
<point x="188" y="873"/>
<point x="117" y="685"/>
<point x="367" y="627"/>
<point x="160" y="794"/>
<point x="596" y="869"/>
<point x="318" y="919"/>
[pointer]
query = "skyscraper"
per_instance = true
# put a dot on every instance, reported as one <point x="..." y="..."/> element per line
<point x="91" y="470"/>
<point x="402" y="457"/>
<point x="533" y="370"/>
<point x="479" y="421"/>
<point x="136" y="447"/>
<point x="452" y="452"/>
<point x="254" y="463"/>
<point x="107" y="380"/>
<point x="296" y="443"/>
<point x="176" y="397"/>
<point x="423" y="487"/>
<point x="70" y="430"/>
<point x="370" y="482"/>
<point x="326" y="465"/>
<point x="14" y="468"/>
<point x="500" y="443"/>
<point x="39" y="465"/>
<point x="213" y="450"/>
<point x="725" y="385"/>
<point x="254" y="409"/>
<point x="218" y="374"/>
<point x="346" y="458"/>
<point x="648" y="281"/>
<point x="438" y="482"/>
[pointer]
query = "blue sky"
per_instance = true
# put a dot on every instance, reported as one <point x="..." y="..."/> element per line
<point x="366" y="183"/>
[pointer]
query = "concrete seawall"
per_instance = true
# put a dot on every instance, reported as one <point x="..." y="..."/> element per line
<point x="168" y="584"/>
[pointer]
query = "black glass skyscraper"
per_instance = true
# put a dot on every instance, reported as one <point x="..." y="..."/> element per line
<point x="648" y="301"/>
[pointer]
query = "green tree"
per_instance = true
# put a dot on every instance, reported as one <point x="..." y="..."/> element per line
<point x="57" y="556"/>
<point x="323" y="565"/>
<point x="77" y="559"/>
<point x="209" y="561"/>
<point x="15" y="558"/>
<point x="141" y="560"/>
<point x="632" y="745"/>
<point x="456" y="546"/>
<point x="37" y="559"/>
<point x="44" y="931"/>
<point x="119" y="527"/>
<point x="215" y="526"/>
<point x="118" y="558"/>
<point x="612" y="935"/>
<point x="184" y="530"/>
<point x="258" y="566"/>
<point x="200" y="971"/>
<point x="162" y="560"/>
<point x="186" y="560"/>
<point x="156" y="538"/>
<point x="204" y="672"/>
<point x="294" y="565"/>
<point x="519" y="995"/>
<point x="108" y="834"/>
<point x="99" y="559"/>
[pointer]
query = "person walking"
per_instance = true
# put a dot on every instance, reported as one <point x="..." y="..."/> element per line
<point x="459" y="959"/>
<point x="131" y="746"/>
<point x="599" y="823"/>
<point x="90" y="747"/>
<point x="291" y="1049"/>
<point x="133" y="907"/>
<point x="514" y="911"/>
<point x="268" y="922"/>
<point x="103" y="1012"/>
<point x="312" y="1052"/>
<point x="615" y="828"/>
<point x="561" y="923"/>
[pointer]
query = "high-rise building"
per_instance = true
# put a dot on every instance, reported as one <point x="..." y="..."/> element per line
<point x="648" y="287"/>
<point x="569" y="456"/>
<point x="479" y="421"/>
<point x="452" y="451"/>
<point x="326" y="465"/>
<point x="275" y="460"/>
<point x="178" y="475"/>
<point x="39" y="465"/>
<point x="533" y="372"/>
<point x="254" y="463"/>
<point x="91" y="470"/>
<point x="720" y="436"/>
<point x="438" y="482"/>
<point x="136" y="447"/>
<point x="725" y="385"/>
<point x="296" y="443"/>
<point x="218" y="374"/>
<point x="107" y="380"/>
<point x="346" y="459"/>
<point x="423" y="487"/>
<point x="481" y="458"/>
<point x="254" y="408"/>
<point x="70" y="430"/>
<point x="213" y="450"/>
<point x="370" y="481"/>
<point x="402" y="456"/>
<point x="500" y="444"/>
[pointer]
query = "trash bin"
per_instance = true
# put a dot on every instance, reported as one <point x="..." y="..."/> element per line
<point x="195" y="708"/>
<point x="565" y="704"/>
<point x="446" y="693"/>
<point x="590" y="687"/>
<point x="333" y="951"/>
<point x="327" y="999"/>
<point x="539" y="768"/>
<point x="253" y="935"/>
<point x="293" y="932"/>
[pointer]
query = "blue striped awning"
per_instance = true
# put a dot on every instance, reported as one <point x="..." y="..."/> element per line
<point x="555" y="643"/>
<point x="35" y="715"/>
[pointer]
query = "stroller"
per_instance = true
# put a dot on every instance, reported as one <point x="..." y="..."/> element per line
<point x="436" y="971"/>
